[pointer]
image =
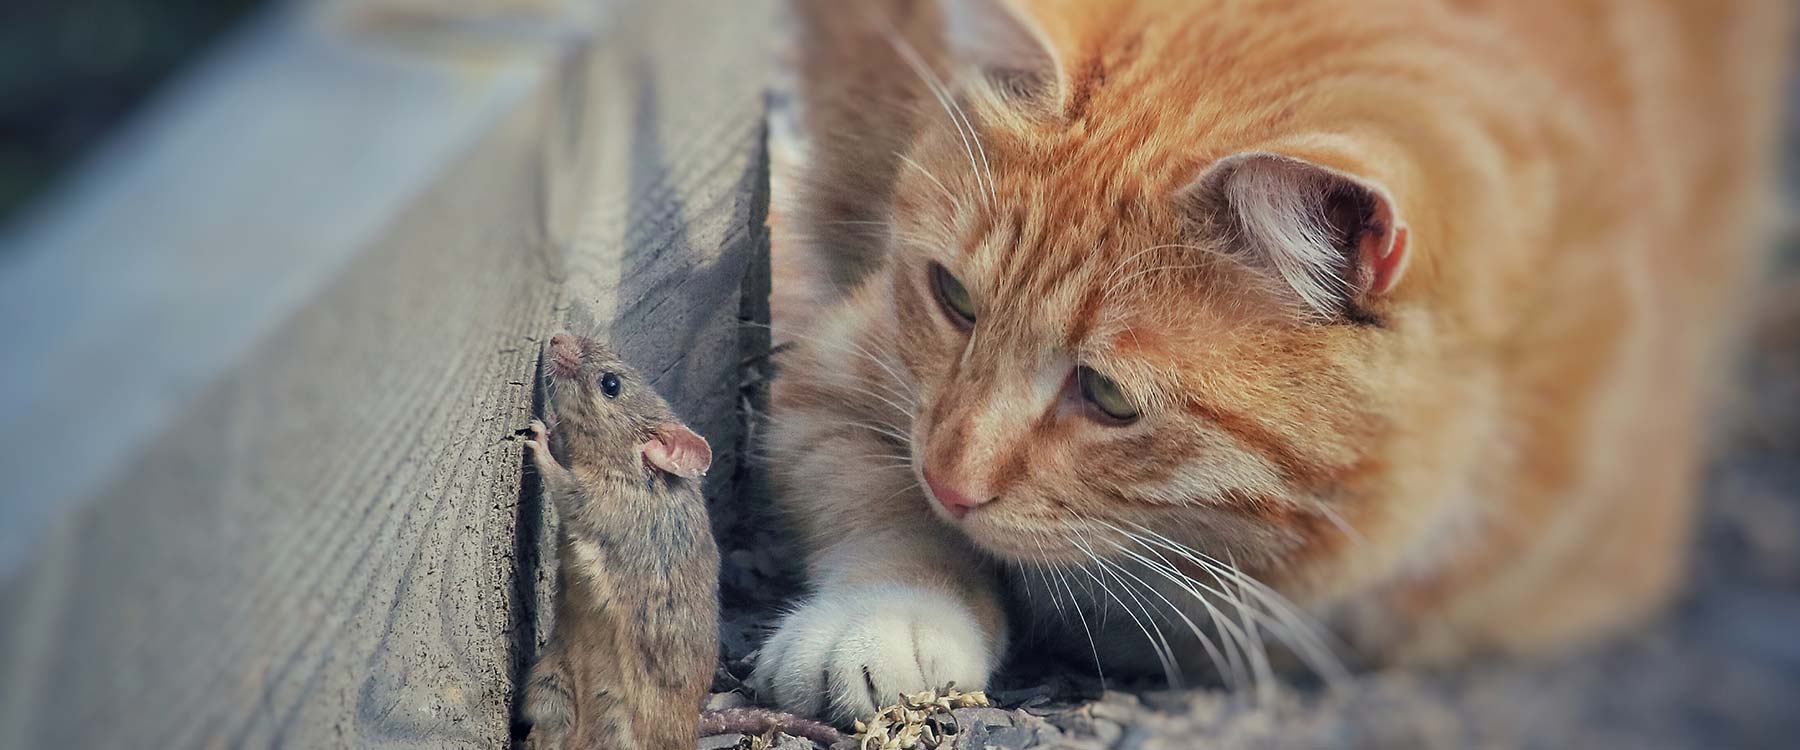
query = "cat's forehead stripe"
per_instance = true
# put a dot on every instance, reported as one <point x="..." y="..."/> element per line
<point x="1045" y="269"/>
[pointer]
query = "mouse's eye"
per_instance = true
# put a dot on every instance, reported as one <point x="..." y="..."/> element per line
<point x="609" y="384"/>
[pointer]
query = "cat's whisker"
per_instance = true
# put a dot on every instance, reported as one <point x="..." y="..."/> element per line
<point x="1294" y="628"/>
<point x="880" y="429"/>
<point x="1134" y="337"/>
<point x="908" y="161"/>
<point x="1162" y="657"/>
<point x="1029" y="595"/>
<point x="906" y="411"/>
<point x="1126" y="263"/>
<point x="1233" y="639"/>
<point x="1279" y="618"/>
<point x="1111" y="283"/>
<point x="1229" y="667"/>
<point x="899" y="467"/>
<point x="1075" y="603"/>
<point x="1245" y="631"/>
<point x="905" y="406"/>
<point x="1246" y="638"/>
<point x="904" y="403"/>
<point x="1308" y="639"/>
<point x="1040" y="565"/>
<point x="1172" y="668"/>
<point x="1038" y="561"/>
<point x="910" y="486"/>
<point x="922" y="243"/>
<point x="881" y="229"/>
<point x="1228" y="661"/>
<point x="853" y="347"/>
<point x="1342" y="525"/>
<point x="1287" y="635"/>
<point x="965" y="130"/>
<point x="909" y="395"/>
<point x="1265" y="684"/>
<point x="1122" y="283"/>
<point x="1164" y="651"/>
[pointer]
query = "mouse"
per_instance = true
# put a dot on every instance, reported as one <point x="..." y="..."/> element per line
<point x="633" y="648"/>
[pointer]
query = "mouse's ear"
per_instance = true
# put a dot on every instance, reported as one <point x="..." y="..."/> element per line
<point x="678" y="450"/>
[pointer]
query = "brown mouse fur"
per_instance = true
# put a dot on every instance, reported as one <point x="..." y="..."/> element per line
<point x="636" y="632"/>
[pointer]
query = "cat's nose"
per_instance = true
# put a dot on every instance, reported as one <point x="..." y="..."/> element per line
<point x="956" y="503"/>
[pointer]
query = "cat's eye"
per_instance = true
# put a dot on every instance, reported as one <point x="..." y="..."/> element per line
<point x="609" y="385"/>
<point x="953" y="296"/>
<point x="1105" y="396"/>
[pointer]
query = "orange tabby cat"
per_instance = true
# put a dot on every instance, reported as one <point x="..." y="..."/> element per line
<point x="1405" y="309"/>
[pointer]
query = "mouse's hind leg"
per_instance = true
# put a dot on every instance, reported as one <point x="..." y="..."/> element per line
<point x="549" y="702"/>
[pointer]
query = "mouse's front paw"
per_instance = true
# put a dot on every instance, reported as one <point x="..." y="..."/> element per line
<point x="537" y="447"/>
<point x="538" y="434"/>
<point x="844" y="655"/>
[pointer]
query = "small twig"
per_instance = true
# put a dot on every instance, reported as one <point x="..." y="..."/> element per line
<point x="757" y="721"/>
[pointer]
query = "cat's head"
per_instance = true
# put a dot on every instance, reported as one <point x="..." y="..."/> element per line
<point x="1139" y="304"/>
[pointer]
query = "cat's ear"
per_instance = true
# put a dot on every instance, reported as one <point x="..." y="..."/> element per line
<point x="1335" y="240"/>
<point x="1004" y="44"/>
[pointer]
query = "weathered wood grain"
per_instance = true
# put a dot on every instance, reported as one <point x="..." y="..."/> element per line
<point x="226" y="209"/>
<point x="327" y="546"/>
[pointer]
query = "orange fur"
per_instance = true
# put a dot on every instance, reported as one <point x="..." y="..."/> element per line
<point x="1499" y="454"/>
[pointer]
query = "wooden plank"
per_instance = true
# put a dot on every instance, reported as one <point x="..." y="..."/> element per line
<point x="228" y="208"/>
<point x="323" y="547"/>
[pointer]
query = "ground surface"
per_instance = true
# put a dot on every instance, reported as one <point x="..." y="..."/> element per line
<point x="1720" y="669"/>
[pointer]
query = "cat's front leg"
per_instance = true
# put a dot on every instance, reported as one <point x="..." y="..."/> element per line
<point x="893" y="621"/>
<point x="901" y="602"/>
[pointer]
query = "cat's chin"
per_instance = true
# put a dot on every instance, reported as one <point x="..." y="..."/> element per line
<point x="1011" y="543"/>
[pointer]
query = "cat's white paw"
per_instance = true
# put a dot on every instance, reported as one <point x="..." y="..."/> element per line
<point x="844" y="654"/>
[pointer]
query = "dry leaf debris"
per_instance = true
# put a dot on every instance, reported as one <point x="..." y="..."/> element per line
<point x="920" y="720"/>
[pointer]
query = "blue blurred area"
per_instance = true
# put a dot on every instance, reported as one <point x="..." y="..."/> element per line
<point x="71" y="71"/>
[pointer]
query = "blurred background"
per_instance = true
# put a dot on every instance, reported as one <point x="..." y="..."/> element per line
<point x="72" y="71"/>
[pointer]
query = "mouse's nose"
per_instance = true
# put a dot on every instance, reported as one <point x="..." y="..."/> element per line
<point x="955" y="502"/>
<point x="565" y="355"/>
